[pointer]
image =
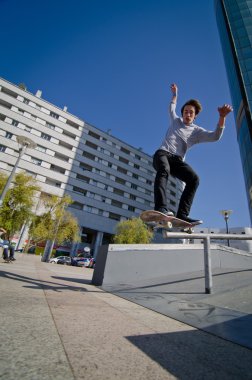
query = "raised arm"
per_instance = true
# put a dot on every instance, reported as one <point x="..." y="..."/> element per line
<point x="174" y="90"/>
<point x="173" y="103"/>
<point x="208" y="136"/>
<point x="223" y="112"/>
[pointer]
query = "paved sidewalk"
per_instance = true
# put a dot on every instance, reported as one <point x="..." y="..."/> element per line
<point x="55" y="325"/>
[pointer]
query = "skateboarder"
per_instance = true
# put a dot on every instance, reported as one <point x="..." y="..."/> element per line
<point x="169" y="158"/>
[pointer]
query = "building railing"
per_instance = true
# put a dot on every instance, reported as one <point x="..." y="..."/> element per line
<point x="207" y="249"/>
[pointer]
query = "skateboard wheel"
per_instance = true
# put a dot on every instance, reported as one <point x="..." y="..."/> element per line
<point x="169" y="224"/>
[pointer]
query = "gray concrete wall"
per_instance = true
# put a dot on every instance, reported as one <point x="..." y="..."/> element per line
<point x="123" y="264"/>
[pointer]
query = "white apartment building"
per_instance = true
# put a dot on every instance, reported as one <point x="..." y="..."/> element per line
<point x="108" y="179"/>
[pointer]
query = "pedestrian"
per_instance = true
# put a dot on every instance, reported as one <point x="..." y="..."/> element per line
<point x="182" y="134"/>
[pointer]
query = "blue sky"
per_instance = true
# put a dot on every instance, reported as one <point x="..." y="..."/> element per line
<point x="111" y="63"/>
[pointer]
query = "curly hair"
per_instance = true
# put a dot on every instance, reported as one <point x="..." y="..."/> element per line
<point x="194" y="103"/>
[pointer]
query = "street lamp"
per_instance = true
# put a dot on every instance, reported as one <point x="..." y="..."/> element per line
<point x="226" y="214"/>
<point x="24" y="143"/>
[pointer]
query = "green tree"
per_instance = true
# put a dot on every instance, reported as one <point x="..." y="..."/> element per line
<point x="3" y="180"/>
<point x="18" y="203"/>
<point x="56" y="224"/>
<point x="132" y="231"/>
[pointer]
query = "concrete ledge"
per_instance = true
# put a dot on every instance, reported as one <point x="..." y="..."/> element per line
<point x="123" y="264"/>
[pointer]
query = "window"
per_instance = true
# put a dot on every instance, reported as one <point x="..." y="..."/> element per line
<point x="27" y="129"/>
<point x="91" y="145"/>
<point x="135" y="176"/>
<point x="49" y="125"/>
<point x="121" y="170"/>
<point x="61" y="157"/>
<point x="9" y="92"/>
<point x="15" y="123"/>
<point x="41" y="148"/>
<point x="133" y="186"/>
<point x="120" y="180"/>
<point x="131" y="208"/>
<point x="36" y="161"/>
<point x="51" y="182"/>
<point x="84" y="166"/>
<point x="133" y="197"/>
<point x="54" y="115"/>
<point x="57" y="169"/>
<point x="68" y="134"/>
<point x="82" y="178"/>
<point x="45" y="136"/>
<point x="65" y="145"/>
<point x="2" y="148"/>
<point x="124" y="160"/>
<point x="72" y="124"/>
<point x="125" y="150"/>
<point x="79" y="190"/>
<point x="114" y="216"/>
<point x="149" y="182"/>
<point x="77" y="205"/>
<point x="8" y="135"/>
<point x="5" y="104"/>
<point x="94" y="135"/>
<point x="26" y="101"/>
<point x="116" y="203"/>
<point x="88" y="155"/>
<point x="118" y="192"/>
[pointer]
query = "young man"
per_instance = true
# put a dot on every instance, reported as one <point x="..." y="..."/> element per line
<point x="169" y="158"/>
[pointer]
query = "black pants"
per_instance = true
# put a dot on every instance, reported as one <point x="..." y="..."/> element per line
<point x="165" y="164"/>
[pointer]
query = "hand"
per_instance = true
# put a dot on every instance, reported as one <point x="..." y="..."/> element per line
<point x="174" y="89"/>
<point x="225" y="110"/>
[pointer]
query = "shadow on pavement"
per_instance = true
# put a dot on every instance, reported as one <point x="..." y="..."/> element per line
<point x="188" y="355"/>
<point x="45" y="285"/>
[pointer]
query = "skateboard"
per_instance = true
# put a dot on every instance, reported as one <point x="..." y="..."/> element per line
<point x="156" y="219"/>
<point x="7" y="261"/>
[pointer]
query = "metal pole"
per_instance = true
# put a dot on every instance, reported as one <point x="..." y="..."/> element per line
<point x="226" y="219"/>
<point x="208" y="267"/>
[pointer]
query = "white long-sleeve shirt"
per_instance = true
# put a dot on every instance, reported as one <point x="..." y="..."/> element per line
<point x="180" y="137"/>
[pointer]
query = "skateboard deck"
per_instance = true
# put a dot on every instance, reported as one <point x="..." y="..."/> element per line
<point x="157" y="219"/>
<point x="7" y="261"/>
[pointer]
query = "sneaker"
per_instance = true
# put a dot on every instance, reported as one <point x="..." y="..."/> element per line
<point x="189" y="220"/>
<point x="166" y="212"/>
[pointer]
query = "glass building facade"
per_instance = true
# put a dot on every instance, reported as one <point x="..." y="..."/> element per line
<point x="234" y="20"/>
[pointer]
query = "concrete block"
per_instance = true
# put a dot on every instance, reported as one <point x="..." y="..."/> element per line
<point x="125" y="264"/>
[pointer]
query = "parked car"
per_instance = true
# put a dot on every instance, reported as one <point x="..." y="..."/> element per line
<point x="83" y="262"/>
<point x="56" y="259"/>
<point x="65" y="260"/>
